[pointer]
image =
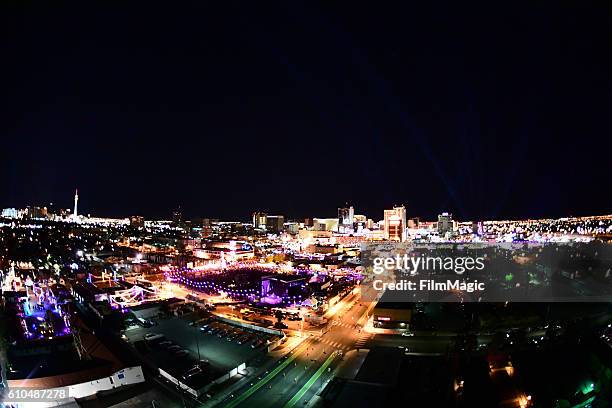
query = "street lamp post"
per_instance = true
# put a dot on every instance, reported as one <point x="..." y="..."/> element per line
<point x="302" y="323"/>
<point x="198" y="345"/>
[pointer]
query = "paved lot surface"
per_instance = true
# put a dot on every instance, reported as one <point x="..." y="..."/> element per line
<point x="221" y="354"/>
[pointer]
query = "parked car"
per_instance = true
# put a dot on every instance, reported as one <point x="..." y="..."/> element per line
<point x="153" y="336"/>
<point x="192" y="371"/>
<point x="145" y="323"/>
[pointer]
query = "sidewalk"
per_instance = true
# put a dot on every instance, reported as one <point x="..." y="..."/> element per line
<point x="365" y="316"/>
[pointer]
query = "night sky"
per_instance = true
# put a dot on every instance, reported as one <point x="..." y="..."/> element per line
<point x="296" y="108"/>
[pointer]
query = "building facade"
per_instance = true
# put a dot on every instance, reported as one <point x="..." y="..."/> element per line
<point x="445" y="224"/>
<point x="346" y="218"/>
<point x="259" y="220"/>
<point x="395" y="224"/>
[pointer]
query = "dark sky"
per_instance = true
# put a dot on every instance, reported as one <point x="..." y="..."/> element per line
<point x="225" y="108"/>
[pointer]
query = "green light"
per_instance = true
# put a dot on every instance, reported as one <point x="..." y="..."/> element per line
<point x="308" y="384"/>
<point x="587" y="387"/>
<point x="267" y="378"/>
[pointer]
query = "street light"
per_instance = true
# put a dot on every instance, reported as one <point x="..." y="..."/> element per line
<point x="198" y="344"/>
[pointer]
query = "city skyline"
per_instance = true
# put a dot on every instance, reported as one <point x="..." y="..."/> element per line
<point x="250" y="219"/>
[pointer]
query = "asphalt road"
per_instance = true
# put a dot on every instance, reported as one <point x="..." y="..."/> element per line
<point x="299" y="377"/>
<point x="420" y="344"/>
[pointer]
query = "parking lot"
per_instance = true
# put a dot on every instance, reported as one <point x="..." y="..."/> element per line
<point x="223" y="345"/>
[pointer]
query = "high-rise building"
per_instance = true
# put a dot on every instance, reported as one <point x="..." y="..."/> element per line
<point x="445" y="224"/>
<point x="208" y="226"/>
<point x="177" y="216"/>
<point x="275" y="223"/>
<point x="395" y="224"/>
<point x="292" y="227"/>
<point x="346" y="218"/>
<point x="259" y="220"/>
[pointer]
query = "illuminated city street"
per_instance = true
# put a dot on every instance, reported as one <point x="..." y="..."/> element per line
<point x="301" y="378"/>
<point x="305" y="204"/>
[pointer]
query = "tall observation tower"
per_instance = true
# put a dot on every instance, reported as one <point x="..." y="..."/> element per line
<point x="76" y="202"/>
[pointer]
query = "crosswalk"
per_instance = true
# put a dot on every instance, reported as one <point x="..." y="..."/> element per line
<point x="361" y="342"/>
<point x="343" y="324"/>
<point x="363" y="339"/>
<point x="336" y="345"/>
